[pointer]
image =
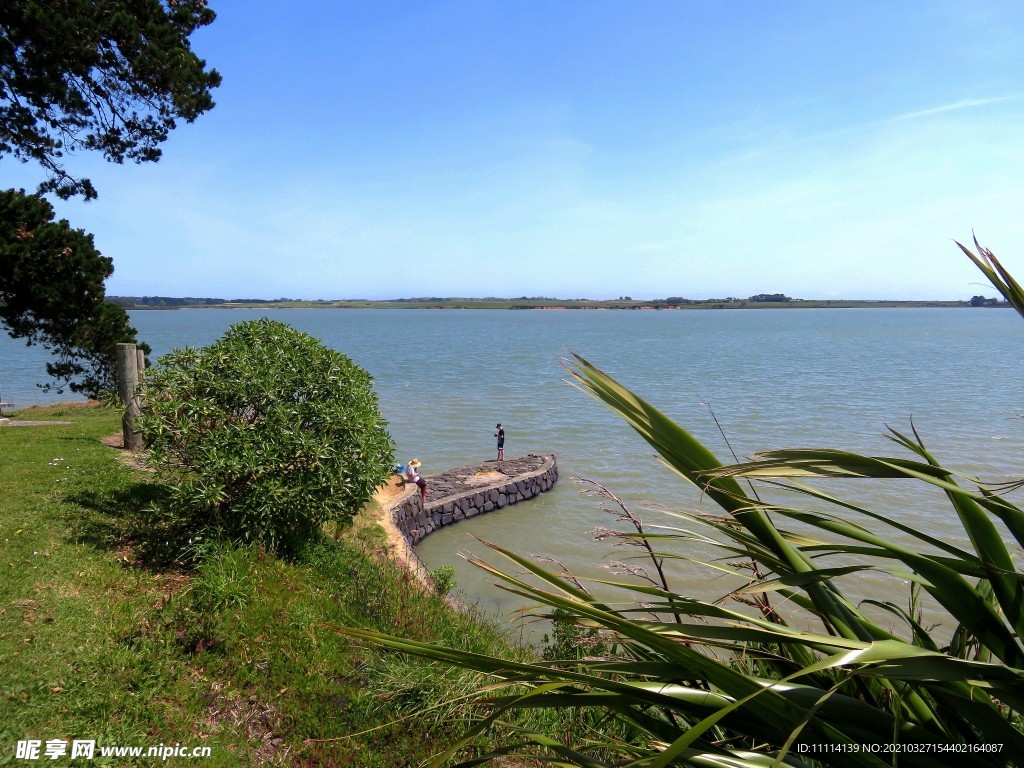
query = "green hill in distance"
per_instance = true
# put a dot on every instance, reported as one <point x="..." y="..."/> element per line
<point x="759" y="301"/>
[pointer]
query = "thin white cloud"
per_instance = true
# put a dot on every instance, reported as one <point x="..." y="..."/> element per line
<point x="870" y="125"/>
<point x="955" y="106"/>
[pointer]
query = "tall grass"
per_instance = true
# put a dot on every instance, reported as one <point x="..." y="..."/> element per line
<point x="792" y="671"/>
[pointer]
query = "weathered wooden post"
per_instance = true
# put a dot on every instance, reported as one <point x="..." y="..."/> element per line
<point x="127" y="383"/>
<point x="141" y="364"/>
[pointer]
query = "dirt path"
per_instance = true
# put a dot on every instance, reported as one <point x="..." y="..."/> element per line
<point x="398" y="548"/>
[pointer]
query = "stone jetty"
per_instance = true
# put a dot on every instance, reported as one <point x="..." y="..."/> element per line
<point x="465" y="492"/>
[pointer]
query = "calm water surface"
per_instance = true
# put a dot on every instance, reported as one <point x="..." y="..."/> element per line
<point x="775" y="379"/>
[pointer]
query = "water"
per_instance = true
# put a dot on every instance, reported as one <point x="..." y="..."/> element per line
<point x="775" y="379"/>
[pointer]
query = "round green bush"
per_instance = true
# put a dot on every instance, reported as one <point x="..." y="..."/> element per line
<point x="265" y="435"/>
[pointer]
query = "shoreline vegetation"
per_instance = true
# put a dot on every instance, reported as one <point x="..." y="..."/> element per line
<point x="106" y="638"/>
<point x="763" y="301"/>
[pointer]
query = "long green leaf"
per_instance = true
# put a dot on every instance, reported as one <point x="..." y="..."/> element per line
<point x="1000" y="278"/>
<point x="695" y="462"/>
<point x="987" y="541"/>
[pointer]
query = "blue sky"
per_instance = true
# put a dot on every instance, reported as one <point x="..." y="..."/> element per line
<point x="580" y="149"/>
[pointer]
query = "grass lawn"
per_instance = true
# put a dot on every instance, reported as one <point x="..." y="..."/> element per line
<point x="105" y="637"/>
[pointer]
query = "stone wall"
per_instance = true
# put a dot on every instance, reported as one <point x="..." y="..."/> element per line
<point x="522" y="479"/>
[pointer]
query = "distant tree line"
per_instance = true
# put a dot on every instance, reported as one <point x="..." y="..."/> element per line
<point x="130" y="302"/>
<point x="160" y="301"/>
<point x="676" y="301"/>
<point x="770" y="297"/>
<point x="422" y="300"/>
<point x="981" y="301"/>
<point x="282" y="300"/>
<point x="185" y="301"/>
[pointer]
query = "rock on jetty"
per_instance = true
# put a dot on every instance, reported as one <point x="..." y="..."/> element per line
<point x="469" y="491"/>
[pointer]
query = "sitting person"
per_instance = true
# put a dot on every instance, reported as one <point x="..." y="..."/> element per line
<point x="412" y="475"/>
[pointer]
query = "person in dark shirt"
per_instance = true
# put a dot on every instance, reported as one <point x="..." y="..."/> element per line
<point x="500" y="434"/>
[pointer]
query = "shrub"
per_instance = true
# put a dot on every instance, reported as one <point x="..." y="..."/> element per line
<point x="443" y="579"/>
<point x="265" y="434"/>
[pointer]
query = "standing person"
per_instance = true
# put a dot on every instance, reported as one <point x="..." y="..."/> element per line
<point x="500" y="434"/>
<point x="412" y="475"/>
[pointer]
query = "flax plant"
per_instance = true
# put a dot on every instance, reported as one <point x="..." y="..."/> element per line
<point x="790" y="672"/>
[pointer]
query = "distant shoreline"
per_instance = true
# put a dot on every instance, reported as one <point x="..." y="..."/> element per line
<point x="553" y="304"/>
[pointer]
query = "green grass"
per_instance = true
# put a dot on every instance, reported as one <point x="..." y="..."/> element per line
<point x="105" y="636"/>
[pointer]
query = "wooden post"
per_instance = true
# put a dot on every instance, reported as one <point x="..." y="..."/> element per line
<point x="141" y="364"/>
<point x="127" y="383"/>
